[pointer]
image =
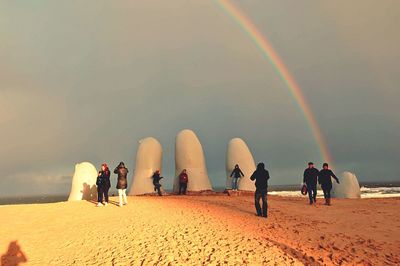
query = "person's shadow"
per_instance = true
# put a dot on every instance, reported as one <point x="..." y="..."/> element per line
<point x="89" y="193"/>
<point x="14" y="255"/>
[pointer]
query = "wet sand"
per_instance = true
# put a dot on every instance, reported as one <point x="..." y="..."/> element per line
<point x="196" y="230"/>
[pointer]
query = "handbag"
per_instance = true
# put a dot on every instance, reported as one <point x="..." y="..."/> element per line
<point x="304" y="189"/>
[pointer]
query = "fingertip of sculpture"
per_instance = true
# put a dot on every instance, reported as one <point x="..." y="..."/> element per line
<point x="348" y="188"/>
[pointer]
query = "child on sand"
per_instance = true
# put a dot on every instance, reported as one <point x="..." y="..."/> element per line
<point x="103" y="185"/>
<point x="122" y="183"/>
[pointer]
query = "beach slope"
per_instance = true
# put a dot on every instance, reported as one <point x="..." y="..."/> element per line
<point x="195" y="230"/>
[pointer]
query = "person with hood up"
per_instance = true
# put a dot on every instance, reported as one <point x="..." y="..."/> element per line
<point x="324" y="179"/>
<point x="156" y="182"/>
<point x="310" y="178"/>
<point x="236" y="175"/>
<point x="103" y="185"/>
<point x="122" y="183"/>
<point x="261" y="176"/>
<point x="183" y="181"/>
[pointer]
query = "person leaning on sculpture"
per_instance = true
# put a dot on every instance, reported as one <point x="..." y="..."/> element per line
<point x="261" y="176"/>
<point x="156" y="182"/>
<point x="310" y="178"/>
<point x="324" y="179"/>
<point x="122" y="183"/>
<point x="236" y="174"/>
<point x="103" y="185"/>
<point x="183" y="182"/>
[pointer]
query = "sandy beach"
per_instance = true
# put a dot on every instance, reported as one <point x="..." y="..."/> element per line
<point x="196" y="230"/>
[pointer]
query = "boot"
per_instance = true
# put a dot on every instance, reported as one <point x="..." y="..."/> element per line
<point x="329" y="202"/>
<point x="326" y="201"/>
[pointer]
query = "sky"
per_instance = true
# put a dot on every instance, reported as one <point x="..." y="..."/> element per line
<point x="86" y="80"/>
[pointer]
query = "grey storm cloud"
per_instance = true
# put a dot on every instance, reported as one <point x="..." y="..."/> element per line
<point x="85" y="81"/>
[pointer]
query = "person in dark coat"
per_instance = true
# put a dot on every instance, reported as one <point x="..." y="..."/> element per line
<point x="310" y="178"/>
<point x="261" y="176"/>
<point x="156" y="182"/>
<point x="122" y="183"/>
<point x="183" y="181"/>
<point x="236" y="174"/>
<point x="324" y="179"/>
<point x="103" y="185"/>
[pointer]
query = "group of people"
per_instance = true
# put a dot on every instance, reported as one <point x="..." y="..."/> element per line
<point x="183" y="182"/>
<point x="312" y="176"/>
<point x="103" y="184"/>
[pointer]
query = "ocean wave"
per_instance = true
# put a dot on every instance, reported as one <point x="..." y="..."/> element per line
<point x="366" y="192"/>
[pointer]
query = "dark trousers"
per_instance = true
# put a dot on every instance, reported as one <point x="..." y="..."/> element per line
<point x="326" y="188"/>
<point x="182" y="188"/>
<point x="312" y="192"/>
<point x="158" y="188"/>
<point x="102" y="191"/>
<point x="261" y="194"/>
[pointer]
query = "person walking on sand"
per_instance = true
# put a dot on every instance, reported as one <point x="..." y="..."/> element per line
<point x="310" y="178"/>
<point x="103" y="185"/>
<point x="324" y="179"/>
<point x="261" y="176"/>
<point x="122" y="183"/>
<point x="183" y="182"/>
<point x="236" y="175"/>
<point x="156" y="182"/>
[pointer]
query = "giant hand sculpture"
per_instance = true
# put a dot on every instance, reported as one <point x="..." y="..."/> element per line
<point x="189" y="155"/>
<point x="239" y="153"/>
<point x="83" y="182"/>
<point x="348" y="188"/>
<point x="148" y="160"/>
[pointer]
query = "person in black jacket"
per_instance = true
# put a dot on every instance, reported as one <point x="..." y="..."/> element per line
<point x="324" y="179"/>
<point x="122" y="182"/>
<point x="310" y="178"/>
<point x="236" y="174"/>
<point x="156" y="182"/>
<point x="103" y="185"/>
<point x="183" y="182"/>
<point x="261" y="176"/>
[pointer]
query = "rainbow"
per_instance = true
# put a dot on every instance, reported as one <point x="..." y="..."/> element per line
<point x="268" y="51"/>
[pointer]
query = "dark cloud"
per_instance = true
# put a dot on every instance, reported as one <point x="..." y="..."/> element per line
<point x="85" y="82"/>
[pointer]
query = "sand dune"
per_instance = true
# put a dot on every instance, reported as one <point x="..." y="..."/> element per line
<point x="196" y="230"/>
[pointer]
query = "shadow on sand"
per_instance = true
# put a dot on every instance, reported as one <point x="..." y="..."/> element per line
<point x="14" y="255"/>
<point x="89" y="192"/>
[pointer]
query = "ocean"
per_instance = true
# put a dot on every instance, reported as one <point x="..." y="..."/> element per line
<point x="368" y="190"/>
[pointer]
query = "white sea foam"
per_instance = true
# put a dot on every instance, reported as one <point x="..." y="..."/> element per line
<point x="377" y="192"/>
<point x="380" y="192"/>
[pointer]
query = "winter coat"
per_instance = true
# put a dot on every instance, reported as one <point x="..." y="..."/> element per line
<point x="183" y="178"/>
<point x="237" y="173"/>
<point x="122" y="173"/>
<point x="103" y="179"/>
<point x="261" y="176"/>
<point x="310" y="176"/>
<point x="156" y="179"/>
<point x="324" y="177"/>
